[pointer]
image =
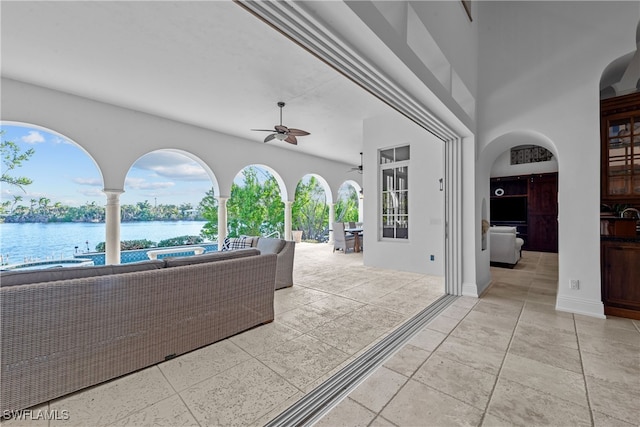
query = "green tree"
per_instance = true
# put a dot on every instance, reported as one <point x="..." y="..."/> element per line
<point x="255" y="209"/>
<point x="209" y="208"/>
<point x="346" y="208"/>
<point x="310" y="212"/>
<point x="12" y="158"/>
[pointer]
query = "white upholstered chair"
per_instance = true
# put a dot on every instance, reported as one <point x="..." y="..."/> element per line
<point x="342" y="240"/>
<point x="504" y="245"/>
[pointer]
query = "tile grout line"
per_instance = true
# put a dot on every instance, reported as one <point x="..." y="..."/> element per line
<point x="584" y="374"/>
<point x="506" y="353"/>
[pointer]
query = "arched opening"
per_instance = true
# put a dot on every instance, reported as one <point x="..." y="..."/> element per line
<point x="256" y="206"/>
<point x="52" y="204"/>
<point x="349" y="202"/>
<point x="522" y="175"/>
<point x="162" y="201"/>
<point x="310" y="210"/>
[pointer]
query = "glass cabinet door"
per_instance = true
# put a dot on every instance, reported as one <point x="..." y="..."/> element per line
<point x="623" y="156"/>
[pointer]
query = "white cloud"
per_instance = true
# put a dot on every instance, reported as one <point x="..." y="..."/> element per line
<point x="34" y="137"/>
<point x="143" y="184"/>
<point x="172" y="165"/>
<point x="93" y="182"/>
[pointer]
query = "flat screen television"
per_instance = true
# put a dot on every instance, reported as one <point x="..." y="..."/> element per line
<point x="509" y="209"/>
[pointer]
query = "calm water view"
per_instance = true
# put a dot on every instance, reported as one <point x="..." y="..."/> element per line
<point x="59" y="240"/>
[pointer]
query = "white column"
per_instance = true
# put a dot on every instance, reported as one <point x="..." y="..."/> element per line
<point x="112" y="226"/>
<point x="222" y="220"/>
<point x="332" y="219"/>
<point x="360" y="208"/>
<point x="288" y="222"/>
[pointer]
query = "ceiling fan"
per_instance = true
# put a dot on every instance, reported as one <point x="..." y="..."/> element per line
<point x="283" y="133"/>
<point x="357" y="168"/>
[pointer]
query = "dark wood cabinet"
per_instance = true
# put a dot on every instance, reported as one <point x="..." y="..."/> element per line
<point x="529" y="203"/>
<point x="620" y="181"/>
<point x="621" y="278"/>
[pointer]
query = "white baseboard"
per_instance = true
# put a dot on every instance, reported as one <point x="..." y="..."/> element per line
<point x="470" y="290"/>
<point x="580" y="306"/>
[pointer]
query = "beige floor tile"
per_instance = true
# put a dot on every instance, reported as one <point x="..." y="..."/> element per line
<point x="237" y="396"/>
<point x="378" y="316"/>
<point x="478" y="332"/>
<point x="105" y="403"/>
<point x="303" y="318"/>
<point x="381" y="422"/>
<point x="416" y="404"/>
<point x="265" y="337"/>
<point x="545" y="378"/>
<point x="542" y="296"/>
<point x="427" y="339"/>
<point x="443" y="324"/>
<point x="604" y="420"/>
<point x="401" y="303"/>
<point x="620" y="352"/>
<point x="347" y="413"/>
<point x="472" y="354"/>
<point x="168" y="412"/>
<point x="407" y="360"/>
<point x="349" y="334"/>
<point x="546" y="316"/>
<point x="198" y="365"/>
<point x="303" y="360"/>
<point x="547" y="334"/>
<point x="456" y="312"/>
<point x="622" y="374"/>
<point x="601" y="326"/>
<point x="364" y="293"/>
<point x="334" y="306"/>
<point x="470" y="385"/>
<point x="492" y="421"/>
<point x="524" y="406"/>
<point x="507" y="311"/>
<point x="546" y="352"/>
<point x="377" y="390"/>
<point x="617" y="402"/>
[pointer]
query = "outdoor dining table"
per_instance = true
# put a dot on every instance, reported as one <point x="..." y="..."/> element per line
<point x="357" y="232"/>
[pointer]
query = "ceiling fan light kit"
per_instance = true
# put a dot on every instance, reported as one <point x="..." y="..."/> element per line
<point x="281" y="132"/>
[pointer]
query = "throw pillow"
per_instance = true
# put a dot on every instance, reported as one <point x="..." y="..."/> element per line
<point x="232" y="243"/>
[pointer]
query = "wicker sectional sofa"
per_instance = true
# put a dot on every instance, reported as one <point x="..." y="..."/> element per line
<point x="66" y="329"/>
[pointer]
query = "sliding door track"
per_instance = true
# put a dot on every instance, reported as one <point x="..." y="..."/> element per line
<point x="320" y="400"/>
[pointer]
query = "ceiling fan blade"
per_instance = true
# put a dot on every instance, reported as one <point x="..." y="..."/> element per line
<point x="291" y="140"/>
<point x="281" y="129"/>
<point x="263" y="130"/>
<point x="270" y="137"/>
<point x="298" y="132"/>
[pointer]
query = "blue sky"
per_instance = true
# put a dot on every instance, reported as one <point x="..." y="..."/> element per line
<point x="62" y="172"/>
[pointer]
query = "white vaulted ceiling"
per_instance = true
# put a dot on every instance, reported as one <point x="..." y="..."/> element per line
<point x="207" y="63"/>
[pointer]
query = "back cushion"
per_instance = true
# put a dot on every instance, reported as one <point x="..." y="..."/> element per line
<point x="270" y="246"/>
<point x="503" y="229"/>
<point x="137" y="266"/>
<point x="210" y="257"/>
<point x="13" y="278"/>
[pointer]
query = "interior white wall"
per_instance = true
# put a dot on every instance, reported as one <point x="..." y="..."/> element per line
<point x="116" y="137"/>
<point x="503" y="167"/>
<point x="426" y="201"/>
<point x="539" y="70"/>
